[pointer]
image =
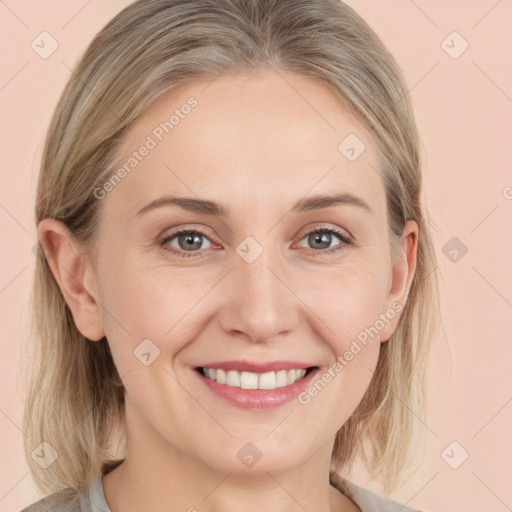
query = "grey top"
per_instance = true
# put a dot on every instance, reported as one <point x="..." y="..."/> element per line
<point x="93" y="500"/>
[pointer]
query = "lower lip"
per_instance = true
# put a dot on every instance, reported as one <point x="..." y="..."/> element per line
<point x="258" y="398"/>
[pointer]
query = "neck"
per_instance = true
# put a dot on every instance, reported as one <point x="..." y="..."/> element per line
<point x="159" y="476"/>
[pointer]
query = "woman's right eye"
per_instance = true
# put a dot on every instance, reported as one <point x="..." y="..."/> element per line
<point x="187" y="240"/>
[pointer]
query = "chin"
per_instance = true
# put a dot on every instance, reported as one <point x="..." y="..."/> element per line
<point x="253" y="458"/>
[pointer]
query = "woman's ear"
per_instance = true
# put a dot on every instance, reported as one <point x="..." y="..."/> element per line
<point x="403" y="270"/>
<point x="74" y="275"/>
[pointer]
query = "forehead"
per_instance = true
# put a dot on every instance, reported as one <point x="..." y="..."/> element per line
<point x="258" y="139"/>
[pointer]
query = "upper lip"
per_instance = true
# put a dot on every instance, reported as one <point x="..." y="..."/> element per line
<point x="256" y="367"/>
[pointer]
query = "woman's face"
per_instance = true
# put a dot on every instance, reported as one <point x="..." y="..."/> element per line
<point x="252" y="283"/>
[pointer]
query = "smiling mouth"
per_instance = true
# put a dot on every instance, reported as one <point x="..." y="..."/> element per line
<point x="250" y="380"/>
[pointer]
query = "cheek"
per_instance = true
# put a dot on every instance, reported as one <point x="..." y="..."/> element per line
<point x="348" y="304"/>
<point x="348" y="299"/>
<point x="146" y="324"/>
<point x="150" y="309"/>
<point x="149" y="300"/>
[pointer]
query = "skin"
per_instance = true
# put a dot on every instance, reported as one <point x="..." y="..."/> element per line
<point x="255" y="145"/>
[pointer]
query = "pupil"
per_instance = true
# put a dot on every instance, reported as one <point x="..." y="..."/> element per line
<point x="190" y="239"/>
<point x="322" y="238"/>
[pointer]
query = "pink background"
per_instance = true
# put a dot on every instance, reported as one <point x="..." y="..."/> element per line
<point x="463" y="108"/>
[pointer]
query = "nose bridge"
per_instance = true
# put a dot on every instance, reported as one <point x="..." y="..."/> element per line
<point x="260" y="304"/>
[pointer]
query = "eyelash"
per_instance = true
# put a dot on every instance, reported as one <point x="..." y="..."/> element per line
<point x="188" y="254"/>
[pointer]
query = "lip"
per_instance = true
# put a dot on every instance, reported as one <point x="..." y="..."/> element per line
<point x="258" y="398"/>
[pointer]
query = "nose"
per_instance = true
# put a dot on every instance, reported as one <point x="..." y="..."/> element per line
<point x="259" y="303"/>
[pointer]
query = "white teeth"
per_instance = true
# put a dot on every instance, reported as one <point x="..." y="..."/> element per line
<point x="250" y="380"/>
<point x="281" y="378"/>
<point x="233" y="379"/>
<point x="267" y="380"/>
<point x="221" y="376"/>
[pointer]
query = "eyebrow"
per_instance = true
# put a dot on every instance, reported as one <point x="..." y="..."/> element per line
<point x="208" y="207"/>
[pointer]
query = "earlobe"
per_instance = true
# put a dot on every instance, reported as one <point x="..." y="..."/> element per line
<point x="403" y="271"/>
<point x="74" y="276"/>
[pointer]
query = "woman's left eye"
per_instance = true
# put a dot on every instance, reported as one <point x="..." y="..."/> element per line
<point x="189" y="241"/>
<point x="324" y="236"/>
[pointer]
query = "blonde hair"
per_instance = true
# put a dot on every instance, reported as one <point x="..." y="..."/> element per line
<point x="75" y="397"/>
